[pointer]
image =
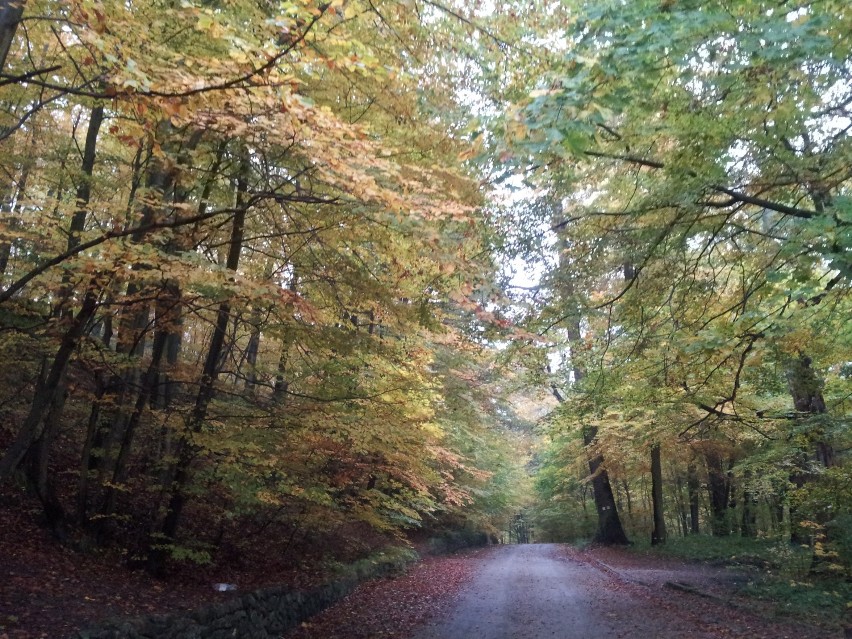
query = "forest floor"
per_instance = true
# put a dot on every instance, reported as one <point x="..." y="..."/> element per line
<point x="48" y="590"/>
<point x="539" y="590"/>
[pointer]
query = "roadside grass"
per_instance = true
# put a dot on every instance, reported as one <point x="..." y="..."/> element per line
<point x="761" y="553"/>
<point x="822" y="600"/>
<point x="788" y="578"/>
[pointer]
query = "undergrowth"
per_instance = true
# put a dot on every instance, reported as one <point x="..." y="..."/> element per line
<point x="790" y="577"/>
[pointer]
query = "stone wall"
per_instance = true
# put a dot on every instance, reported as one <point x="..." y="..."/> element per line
<point x="263" y="614"/>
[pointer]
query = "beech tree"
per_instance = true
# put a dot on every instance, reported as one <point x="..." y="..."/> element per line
<point x="705" y="148"/>
<point x="229" y="245"/>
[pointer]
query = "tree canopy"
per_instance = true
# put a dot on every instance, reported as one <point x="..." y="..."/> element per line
<point x="260" y="268"/>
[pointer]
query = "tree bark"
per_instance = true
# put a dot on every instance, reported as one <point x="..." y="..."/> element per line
<point x="46" y="398"/>
<point x="11" y="200"/>
<point x="46" y="391"/>
<point x="806" y="390"/>
<point x="692" y="487"/>
<point x="186" y="453"/>
<point x="11" y="12"/>
<point x="748" y="527"/>
<point x="658" y="535"/>
<point x="610" y="531"/>
<point x="718" y="487"/>
<point x="135" y="324"/>
<point x="119" y="474"/>
<point x="87" y="459"/>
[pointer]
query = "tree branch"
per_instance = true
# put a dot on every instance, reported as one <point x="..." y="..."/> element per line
<point x="21" y="282"/>
<point x="13" y="79"/>
<point x="736" y="196"/>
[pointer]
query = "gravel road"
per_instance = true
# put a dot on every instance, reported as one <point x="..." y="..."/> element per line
<point x="538" y="592"/>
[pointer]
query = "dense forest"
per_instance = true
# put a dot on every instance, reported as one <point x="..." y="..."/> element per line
<point x="324" y="274"/>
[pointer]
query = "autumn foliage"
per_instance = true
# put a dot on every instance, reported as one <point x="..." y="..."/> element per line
<point x="230" y="234"/>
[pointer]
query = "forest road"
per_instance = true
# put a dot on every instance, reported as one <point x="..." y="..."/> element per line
<point x="536" y="592"/>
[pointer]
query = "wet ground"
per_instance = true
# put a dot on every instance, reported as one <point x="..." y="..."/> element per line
<point x="542" y="591"/>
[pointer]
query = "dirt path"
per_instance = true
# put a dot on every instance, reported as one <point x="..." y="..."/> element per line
<point x="534" y="591"/>
<point x="543" y="591"/>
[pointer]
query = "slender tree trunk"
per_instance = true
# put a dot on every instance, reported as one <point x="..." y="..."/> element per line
<point x="168" y="386"/>
<point x="38" y="470"/>
<point x="11" y="201"/>
<point x="252" y="351"/>
<point x="46" y="397"/>
<point x="14" y="221"/>
<point x="97" y="432"/>
<point x="186" y="452"/>
<point x="86" y="458"/>
<point x="748" y="527"/>
<point x="119" y="474"/>
<point x="135" y="326"/>
<point x="718" y="488"/>
<point x="279" y="390"/>
<point x="84" y="189"/>
<point x="47" y="390"/>
<point x="626" y="486"/>
<point x="658" y="535"/>
<point x="692" y="487"/>
<point x="39" y="452"/>
<point x="11" y="230"/>
<point x="84" y="193"/>
<point x="680" y="504"/>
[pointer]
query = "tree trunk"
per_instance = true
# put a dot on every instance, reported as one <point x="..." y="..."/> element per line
<point x="692" y="487"/>
<point x="38" y="454"/>
<point x="134" y="326"/>
<point x="47" y="390"/>
<point x="658" y="535"/>
<point x="748" y="527"/>
<point x="680" y="504"/>
<point x="87" y="465"/>
<point x="84" y="192"/>
<point x="252" y="351"/>
<point x="38" y="470"/>
<point x="279" y="391"/>
<point x="806" y="390"/>
<point x="119" y="474"/>
<point x="718" y="488"/>
<point x="610" y="530"/>
<point x="11" y="201"/>
<point x="11" y="12"/>
<point x="181" y="472"/>
<point x="14" y="222"/>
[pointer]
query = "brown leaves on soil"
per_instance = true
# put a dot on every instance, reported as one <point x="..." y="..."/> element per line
<point x="709" y="602"/>
<point x="391" y="608"/>
<point x="47" y="590"/>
